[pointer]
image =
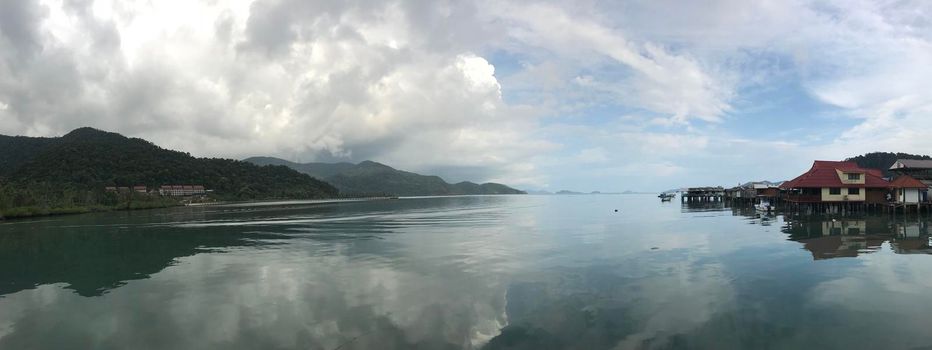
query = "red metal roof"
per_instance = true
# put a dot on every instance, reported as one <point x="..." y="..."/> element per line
<point x="824" y="174"/>
<point x="907" y="181"/>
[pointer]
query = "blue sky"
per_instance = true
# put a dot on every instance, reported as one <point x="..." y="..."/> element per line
<point x="588" y="95"/>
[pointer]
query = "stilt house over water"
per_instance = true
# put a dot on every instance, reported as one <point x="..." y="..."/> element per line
<point x="920" y="170"/>
<point x="837" y="183"/>
<point x="908" y="190"/>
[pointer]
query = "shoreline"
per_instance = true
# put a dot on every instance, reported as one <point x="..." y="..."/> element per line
<point x="33" y="212"/>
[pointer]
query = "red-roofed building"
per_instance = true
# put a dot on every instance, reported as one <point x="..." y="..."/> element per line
<point x="908" y="190"/>
<point x="837" y="182"/>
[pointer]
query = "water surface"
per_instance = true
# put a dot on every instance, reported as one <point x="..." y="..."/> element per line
<point x="484" y="272"/>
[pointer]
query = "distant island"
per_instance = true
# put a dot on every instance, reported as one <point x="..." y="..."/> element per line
<point x="568" y="192"/>
<point x="374" y="178"/>
<point x="91" y="170"/>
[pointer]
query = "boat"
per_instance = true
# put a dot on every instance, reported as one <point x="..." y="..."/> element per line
<point x="764" y="206"/>
<point x="666" y="197"/>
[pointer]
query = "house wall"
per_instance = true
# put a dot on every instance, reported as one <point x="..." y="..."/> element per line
<point x="876" y="196"/>
<point x="908" y="195"/>
<point x="828" y="197"/>
<point x="768" y="192"/>
<point x="843" y="176"/>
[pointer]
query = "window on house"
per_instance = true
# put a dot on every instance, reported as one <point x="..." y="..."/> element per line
<point x="854" y="176"/>
<point x="854" y="191"/>
<point x="834" y="191"/>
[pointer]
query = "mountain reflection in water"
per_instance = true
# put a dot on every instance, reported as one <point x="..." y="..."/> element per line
<point x="492" y="272"/>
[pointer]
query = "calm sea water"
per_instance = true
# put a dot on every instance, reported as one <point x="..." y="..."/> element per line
<point x="496" y="272"/>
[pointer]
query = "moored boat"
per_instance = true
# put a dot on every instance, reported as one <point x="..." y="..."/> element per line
<point x="764" y="206"/>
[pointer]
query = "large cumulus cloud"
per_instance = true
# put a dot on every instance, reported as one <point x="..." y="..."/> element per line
<point x="399" y="82"/>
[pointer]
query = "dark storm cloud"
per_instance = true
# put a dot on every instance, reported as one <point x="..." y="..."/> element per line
<point x="274" y="25"/>
<point x="52" y="87"/>
<point x="19" y="22"/>
<point x="451" y="25"/>
<point x="269" y="29"/>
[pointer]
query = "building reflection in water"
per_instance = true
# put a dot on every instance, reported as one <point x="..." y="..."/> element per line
<point x="828" y="238"/>
<point x="691" y="207"/>
<point x="912" y="238"/>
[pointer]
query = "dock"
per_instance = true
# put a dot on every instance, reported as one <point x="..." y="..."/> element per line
<point x="703" y="194"/>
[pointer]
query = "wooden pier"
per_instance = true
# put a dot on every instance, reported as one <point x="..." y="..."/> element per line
<point x="703" y="194"/>
<point x="907" y="208"/>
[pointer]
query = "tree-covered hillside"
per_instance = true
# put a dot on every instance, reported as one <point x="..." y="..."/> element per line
<point x="370" y="177"/>
<point x="16" y="150"/>
<point x="72" y="171"/>
<point x="883" y="160"/>
<point x="315" y="169"/>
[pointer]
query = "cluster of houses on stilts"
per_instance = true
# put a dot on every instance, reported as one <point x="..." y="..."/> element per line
<point x="834" y="187"/>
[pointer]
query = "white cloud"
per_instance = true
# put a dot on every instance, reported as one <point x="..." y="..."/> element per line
<point x="592" y="155"/>
<point x="322" y="81"/>
<point x="673" y="84"/>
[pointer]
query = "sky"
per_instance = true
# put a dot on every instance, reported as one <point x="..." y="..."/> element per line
<point x="586" y="95"/>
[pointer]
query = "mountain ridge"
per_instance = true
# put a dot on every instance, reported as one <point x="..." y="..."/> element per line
<point x="370" y="177"/>
<point x="89" y="159"/>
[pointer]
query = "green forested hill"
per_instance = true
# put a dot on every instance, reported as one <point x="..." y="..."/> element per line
<point x="318" y="170"/>
<point x="89" y="158"/>
<point x="370" y="177"/>
<point x="16" y="150"/>
<point x="883" y="160"/>
<point x="75" y="168"/>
